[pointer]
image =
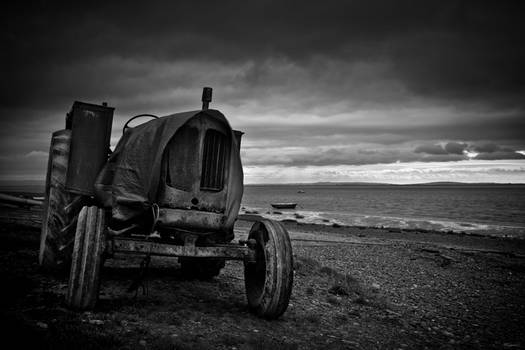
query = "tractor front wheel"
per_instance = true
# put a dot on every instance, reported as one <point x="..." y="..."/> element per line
<point x="269" y="279"/>
<point x="84" y="281"/>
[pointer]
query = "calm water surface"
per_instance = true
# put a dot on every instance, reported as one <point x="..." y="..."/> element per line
<point x="488" y="209"/>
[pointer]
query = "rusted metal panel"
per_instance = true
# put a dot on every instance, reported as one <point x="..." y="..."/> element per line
<point x="90" y="136"/>
<point x="190" y="219"/>
<point x="238" y="137"/>
<point x="231" y="252"/>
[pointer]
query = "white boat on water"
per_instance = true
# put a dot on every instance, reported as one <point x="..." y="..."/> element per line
<point x="284" y="205"/>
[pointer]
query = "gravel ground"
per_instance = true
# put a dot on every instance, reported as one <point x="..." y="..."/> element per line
<point x="354" y="288"/>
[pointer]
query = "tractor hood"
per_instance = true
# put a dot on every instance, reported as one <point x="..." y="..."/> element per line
<point x="129" y="182"/>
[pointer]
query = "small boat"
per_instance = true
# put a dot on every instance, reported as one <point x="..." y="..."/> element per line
<point x="284" y="205"/>
<point x="300" y="191"/>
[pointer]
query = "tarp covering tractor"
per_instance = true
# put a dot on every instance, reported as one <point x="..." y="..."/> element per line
<point x="172" y="187"/>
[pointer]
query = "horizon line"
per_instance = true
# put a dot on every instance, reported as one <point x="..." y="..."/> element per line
<point x="9" y="183"/>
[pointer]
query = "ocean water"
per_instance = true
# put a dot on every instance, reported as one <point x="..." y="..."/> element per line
<point x="497" y="210"/>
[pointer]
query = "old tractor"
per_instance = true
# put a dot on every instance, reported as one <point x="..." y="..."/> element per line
<point x="172" y="187"/>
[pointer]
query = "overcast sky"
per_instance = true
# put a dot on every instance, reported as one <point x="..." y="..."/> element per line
<point x="380" y="91"/>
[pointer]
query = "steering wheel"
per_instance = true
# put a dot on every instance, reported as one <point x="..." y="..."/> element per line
<point x="135" y="117"/>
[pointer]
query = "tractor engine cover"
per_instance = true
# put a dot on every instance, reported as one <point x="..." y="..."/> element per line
<point x="186" y="163"/>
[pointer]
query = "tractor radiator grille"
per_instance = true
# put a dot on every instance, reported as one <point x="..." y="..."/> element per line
<point x="213" y="161"/>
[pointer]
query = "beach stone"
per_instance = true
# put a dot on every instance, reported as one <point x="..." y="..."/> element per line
<point x="42" y="325"/>
<point x="96" y="322"/>
<point x="447" y="333"/>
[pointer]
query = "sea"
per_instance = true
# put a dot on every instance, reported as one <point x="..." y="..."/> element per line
<point x="485" y="209"/>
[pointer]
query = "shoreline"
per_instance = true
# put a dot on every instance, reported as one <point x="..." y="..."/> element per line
<point x="31" y="216"/>
<point x="253" y="215"/>
<point x="474" y="229"/>
<point x="365" y="235"/>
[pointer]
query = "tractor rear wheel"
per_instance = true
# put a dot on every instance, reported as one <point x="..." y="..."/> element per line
<point x="58" y="227"/>
<point x="201" y="268"/>
<point x="61" y="207"/>
<point x="84" y="278"/>
<point x="269" y="279"/>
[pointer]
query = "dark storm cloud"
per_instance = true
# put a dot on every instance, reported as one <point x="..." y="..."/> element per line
<point x="500" y="155"/>
<point x="455" y="147"/>
<point x="486" y="148"/>
<point x="493" y="148"/>
<point x="305" y="156"/>
<point x="492" y="151"/>
<point x="457" y="49"/>
<point x="456" y="151"/>
<point x="430" y="149"/>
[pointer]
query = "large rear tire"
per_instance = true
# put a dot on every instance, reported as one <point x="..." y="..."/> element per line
<point x="61" y="207"/>
<point x="84" y="278"/>
<point x="269" y="279"/>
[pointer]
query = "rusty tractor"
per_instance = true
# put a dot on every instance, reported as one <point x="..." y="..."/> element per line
<point x="172" y="187"/>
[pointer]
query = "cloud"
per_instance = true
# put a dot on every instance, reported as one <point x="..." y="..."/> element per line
<point x="492" y="147"/>
<point x="341" y="155"/>
<point x="37" y="154"/>
<point x="399" y="173"/>
<point x="455" y="147"/>
<point x="486" y="148"/>
<point x="453" y="151"/>
<point x="443" y="158"/>
<point x="500" y="155"/>
<point x="452" y="51"/>
<point x="430" y="149"/>
<point x="360" y="82"/>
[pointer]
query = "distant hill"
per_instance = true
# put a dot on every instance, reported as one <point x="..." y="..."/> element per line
<point x="437" y="183"/>
<point x="35" y="186"/>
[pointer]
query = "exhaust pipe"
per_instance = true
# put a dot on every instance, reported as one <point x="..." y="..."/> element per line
<point x="206" y="97"/>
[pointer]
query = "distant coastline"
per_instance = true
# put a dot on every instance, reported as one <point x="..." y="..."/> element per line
<point x="493" y="209"/>
<point x="30" y="186"/>
<point x="38" y="186"/>
<point x="450" y="183"/>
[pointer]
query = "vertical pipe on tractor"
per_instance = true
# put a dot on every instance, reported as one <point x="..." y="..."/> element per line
<point x="206" y="97"/>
